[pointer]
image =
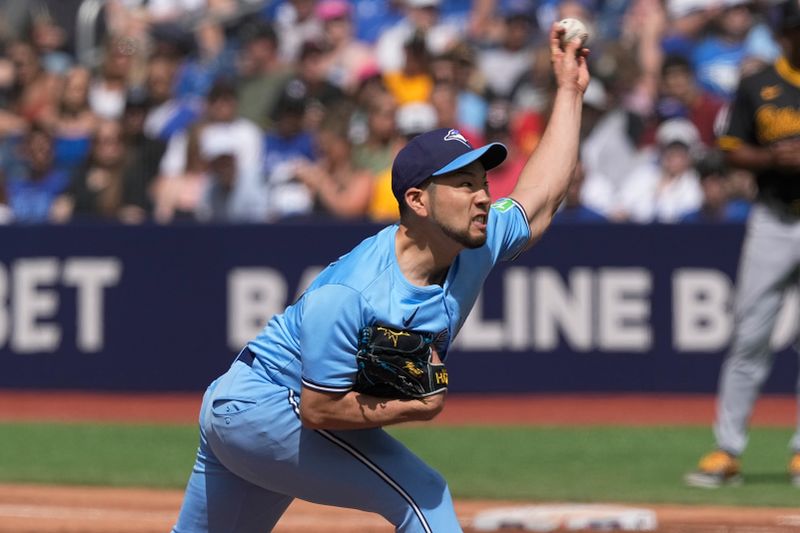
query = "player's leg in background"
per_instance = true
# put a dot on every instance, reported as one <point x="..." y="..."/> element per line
<point x="766" y="269"/>
<point x="794" y="445"/>
<point x="367" y="469"/>
<point x="216" y="500"/>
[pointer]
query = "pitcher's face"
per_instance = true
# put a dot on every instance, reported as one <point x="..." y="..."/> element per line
<point x="459" y="204"/>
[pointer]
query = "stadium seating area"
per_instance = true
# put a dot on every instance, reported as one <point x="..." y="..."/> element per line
<point x="254" y="111"/>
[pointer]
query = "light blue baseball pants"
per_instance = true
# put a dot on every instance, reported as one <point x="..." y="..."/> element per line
<point x="255" y="457"/>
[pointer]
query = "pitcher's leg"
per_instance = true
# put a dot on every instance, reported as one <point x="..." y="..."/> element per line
<point x="367" y="469"/>
<point x="218" y="501"/>
<point x="390" y="479"/>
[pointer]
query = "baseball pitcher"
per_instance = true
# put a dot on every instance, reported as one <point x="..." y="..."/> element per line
<point x="299" y="413"/>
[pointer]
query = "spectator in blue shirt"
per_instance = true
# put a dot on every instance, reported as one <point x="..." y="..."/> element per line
<point x="717" y="58"/>
<point x="74" y="122"/>
<point x="373" y="17"/>
<point x="34" y="183"/>
<point x="167" y="114"/>
<point x="289" y="144"/>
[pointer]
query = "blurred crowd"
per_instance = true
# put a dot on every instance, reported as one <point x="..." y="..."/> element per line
<point x="262" y="111"/>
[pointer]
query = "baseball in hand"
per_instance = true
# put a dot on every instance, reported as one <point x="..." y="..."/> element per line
<point x="573" y="29"/>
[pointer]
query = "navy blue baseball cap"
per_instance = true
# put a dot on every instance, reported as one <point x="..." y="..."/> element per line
<point x="438" y="152"/>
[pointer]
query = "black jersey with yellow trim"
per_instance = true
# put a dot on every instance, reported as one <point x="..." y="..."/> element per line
<point x="765" y="111"/>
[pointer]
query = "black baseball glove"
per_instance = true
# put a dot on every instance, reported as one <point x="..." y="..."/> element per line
<point x="395" y="363"/>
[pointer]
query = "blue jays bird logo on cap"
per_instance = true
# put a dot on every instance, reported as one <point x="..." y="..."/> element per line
<point x="455" y="135"/>
<point x="432" y="154"/>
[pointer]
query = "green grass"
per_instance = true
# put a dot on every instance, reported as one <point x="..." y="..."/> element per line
<point x="598" y="464"/>
<point x="525" y="463"/>
<point x="89" y="454"/>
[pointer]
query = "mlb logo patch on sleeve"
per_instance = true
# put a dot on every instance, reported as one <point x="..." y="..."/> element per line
<point x="503" y="205"/>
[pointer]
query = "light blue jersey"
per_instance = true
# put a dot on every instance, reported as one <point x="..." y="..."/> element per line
<point x="315" y="339"/>
<point x="255" y="456"/>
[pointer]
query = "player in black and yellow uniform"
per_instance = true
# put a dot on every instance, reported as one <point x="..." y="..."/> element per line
<point x="764" y="131"/>
<point x="763" y="135"/>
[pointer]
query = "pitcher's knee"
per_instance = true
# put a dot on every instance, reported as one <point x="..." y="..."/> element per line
<point x="439" y="520"/>
<point x="430" y="509"/>
<point x="434" y="480"/>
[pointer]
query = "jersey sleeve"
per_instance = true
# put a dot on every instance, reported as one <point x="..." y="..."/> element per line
<point x="508" y="230"/>
<point x="740" y="124"/>
<point x="332" y="317"/>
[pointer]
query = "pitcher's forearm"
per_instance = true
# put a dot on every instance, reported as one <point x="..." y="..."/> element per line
<point x="546" y="176"/>
<point x="353" y="410"/>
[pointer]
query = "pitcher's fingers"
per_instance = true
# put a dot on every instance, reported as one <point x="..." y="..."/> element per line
<point x="573" y="46"/>
<point x="556" y="31"/>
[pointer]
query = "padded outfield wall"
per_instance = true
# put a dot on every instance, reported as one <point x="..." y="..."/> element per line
<point x="589" y="308"/>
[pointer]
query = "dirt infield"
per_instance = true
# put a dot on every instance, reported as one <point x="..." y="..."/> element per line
<point x="622" y="409"/>
<point x="47" y="509"/>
